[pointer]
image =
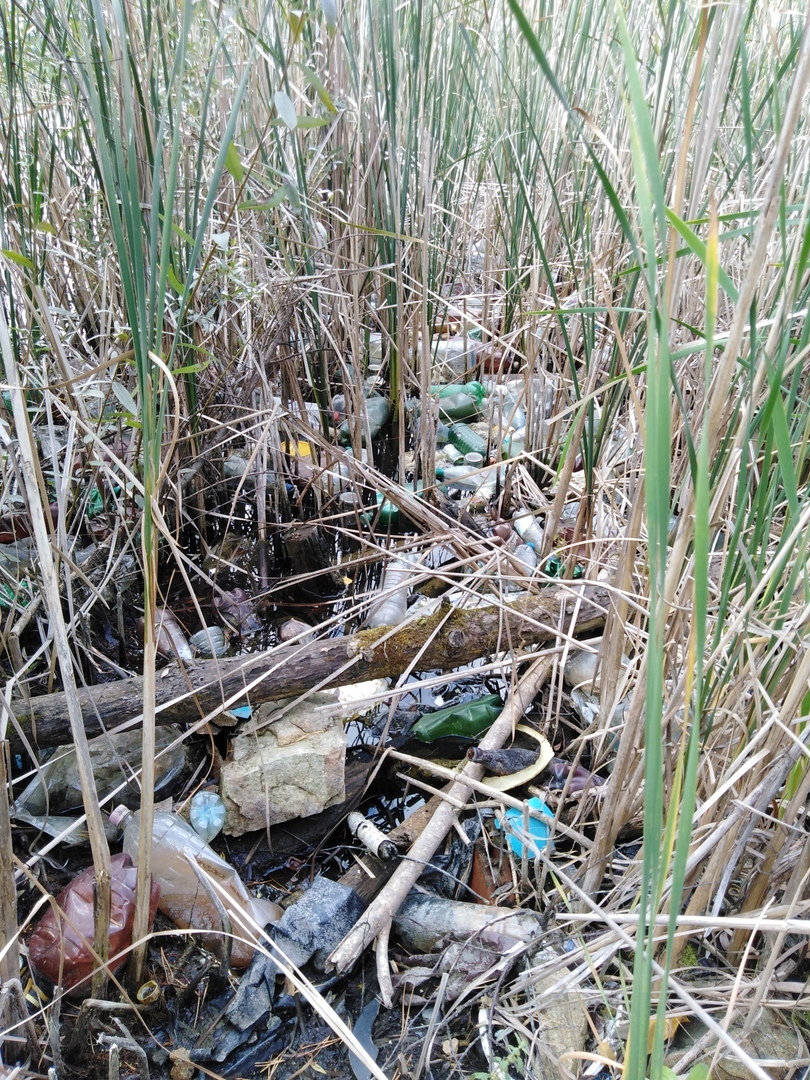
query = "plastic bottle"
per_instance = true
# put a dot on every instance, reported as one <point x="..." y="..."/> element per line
<point x="526" y="554"/>
<point x="467" y="440"/>
<point x="458" y="406"/>
<point x="538" y="837"/>
<point x="60" y="947"/>
<point x="183" y="898"/>
<point x="514" y="443"/>
<point x="528" y="528"/>
<point x="462" y="476"/>
<point x="449" y="453"/>
<point x="474" y="389"/>
<point x="114" y="756"/>
<point x="378" y="410"/>
<point x="392" y="606"/>
<point x="207" y="815"/>
<point x="503" y="762"/>
<point x="466" y="721"/>
<point x="512" y="412"/>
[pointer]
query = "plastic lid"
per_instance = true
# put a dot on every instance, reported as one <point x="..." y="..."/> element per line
<point x="539" y="835"/>
<point x="119" y="815"/>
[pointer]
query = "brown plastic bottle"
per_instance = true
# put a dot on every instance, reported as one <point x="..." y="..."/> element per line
<point x="183" y="897"/>
<point x="60" y="947"/>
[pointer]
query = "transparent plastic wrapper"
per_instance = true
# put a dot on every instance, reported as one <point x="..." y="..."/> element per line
<point x="176" y="849"/>
<point x="60" y="946"/>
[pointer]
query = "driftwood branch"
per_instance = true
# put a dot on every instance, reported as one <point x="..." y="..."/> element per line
<point x="443" y="641"/>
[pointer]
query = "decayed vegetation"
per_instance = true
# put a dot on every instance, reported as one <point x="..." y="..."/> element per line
<point x="207" y="216"/>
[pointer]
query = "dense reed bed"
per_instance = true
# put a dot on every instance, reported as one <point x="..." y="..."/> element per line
<point x="214" y="219"/>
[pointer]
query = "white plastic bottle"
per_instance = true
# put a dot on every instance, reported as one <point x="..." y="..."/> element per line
<point x="183" y="897"/>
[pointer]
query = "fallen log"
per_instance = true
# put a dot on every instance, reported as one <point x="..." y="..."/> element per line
<point x="450" y="638"/>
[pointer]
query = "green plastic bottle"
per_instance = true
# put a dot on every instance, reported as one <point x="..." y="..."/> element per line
<point x="468" y="441"/>
<point x="458" y="406"/>
<point x="474" y="389"/>
<point x="466" y="721"/>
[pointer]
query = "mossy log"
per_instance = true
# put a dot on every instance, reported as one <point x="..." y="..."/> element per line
<point x="448" y="639"/>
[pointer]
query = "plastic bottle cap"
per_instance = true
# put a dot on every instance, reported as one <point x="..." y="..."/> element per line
<point x="119" y="815"/>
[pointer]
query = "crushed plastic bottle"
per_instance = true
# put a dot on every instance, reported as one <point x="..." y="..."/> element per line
<point x="183" y="897"/>
<point x="539" y="830"/>
<point x="459" y="402"/>
<point x="454" y="357"/>
<point x="115" y="757"/>
<point x="60" y="947"/>
<point x="378" y="411"/>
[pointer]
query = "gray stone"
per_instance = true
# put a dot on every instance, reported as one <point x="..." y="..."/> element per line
<point x="317" y="922"/>
<point x="293" y="767"/>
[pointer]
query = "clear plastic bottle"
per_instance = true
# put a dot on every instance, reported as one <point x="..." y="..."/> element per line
<point x="207" y="815"/>
<point x="392" y="606"/>
<point x="183" y="898"/>
<point x="528" y="528"/>
<point x="526" y="554"/>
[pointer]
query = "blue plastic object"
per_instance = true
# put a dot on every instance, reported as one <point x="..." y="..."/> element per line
<point x="207" y="815"/>
<point x="539" y="830"/>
